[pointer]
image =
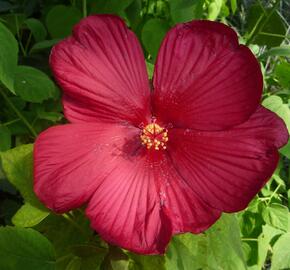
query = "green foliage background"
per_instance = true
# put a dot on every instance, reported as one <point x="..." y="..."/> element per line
<point x="33" y="238"/>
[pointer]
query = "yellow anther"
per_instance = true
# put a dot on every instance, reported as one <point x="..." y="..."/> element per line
<point x="154" y="136"/>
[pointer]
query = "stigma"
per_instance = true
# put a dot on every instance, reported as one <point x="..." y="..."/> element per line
<point x="154" y="136"/>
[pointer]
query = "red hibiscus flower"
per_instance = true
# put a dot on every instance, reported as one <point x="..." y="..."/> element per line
<point x="150" y="163"/>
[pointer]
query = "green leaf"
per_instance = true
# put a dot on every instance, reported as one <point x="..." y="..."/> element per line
<point x="265" y="26"/>
<point x="214" y="9"/>
<point x="61" y="19"/>
<point x="65" y="234"/>
<point x="33" y="85"/>
<point x="37" y="29"/>
<point x="282" y="72"/>
<point x="5" y="138"/>
<point x="275" y="104"/>
<point x="276" y="215"/>
<point x="29" y="216"/>
<point x="8" y="57"/>
<point x="224" y="244"/>
<point x="17" y="165"/>
<point x="281" y="254"/>
<point x="233" y="5"/>
<point x="25" y="249"/>
<point x="109" y="6"/>
<point x="187" y="252"/>
<point x="88" y="257"/>
<point x="153" y="33"/>
<point x="283" y="50"/>
<point x="146" y="262"/>
<point x="43" y="45"/>
<point x="219" y="248"/>
<point x="186" y="10"/>
<point x="264" y="239"/>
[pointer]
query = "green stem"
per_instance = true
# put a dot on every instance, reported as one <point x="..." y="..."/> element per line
<point x="273" y="35"/>
<point x="27" y="43"/>
<point x="18" y="113"/>
<point x="11" y="122"/>
<point x="260" y="24"/>
<point x="68" y="217"/>
<point x="85" y="13"/>
<point x="250" y="239"/>
<point x="273" y="194"/>
<point x="19" y="37"/>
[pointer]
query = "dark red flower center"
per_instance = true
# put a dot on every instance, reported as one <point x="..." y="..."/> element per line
<point x="154" y="136"/>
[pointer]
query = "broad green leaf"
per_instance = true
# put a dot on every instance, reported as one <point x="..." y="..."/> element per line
<point x="37" y="29"/>
<point x="33" y="85"/>
<point x="65" y="234"/>
<point x="87" y="257"/>
<point x="283" y="50"/>
<point x="275" y="104"/>
<point x="214" y="9"/>
<point x="281" y="253"/>
<point x="153" y="33"/>
<point x="29" y="216"/>
<point x="5" y="138"/>
<point x="43" y="45"/>
<point x="61" y="19"/>
<point x="25" y="249"/>
<point x="120" y="264"/>
<point x="276" y="215"/>
<point x="17" y="165"/>
<point x="268" y="233"/>
<point x="187" y="252"/>
<point x="282" y="72"/>
<point x="224" y="244"/>
<point x="264" y="26"/>
<point x="146" y="262"/>
<point x="108" y="6"/>
<point x="8" y="57"/>
<point x="186" y="10"/>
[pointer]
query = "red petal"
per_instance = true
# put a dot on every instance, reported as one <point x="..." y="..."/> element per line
<point x="204" y="79"/>
<point x="68" y="160"/>
<point x="126" y="211"/>
<point x="228" y="168"/>
<point x="143" y="202"/>
<point x="187" y="212"/>
<point x="102" y="71"/>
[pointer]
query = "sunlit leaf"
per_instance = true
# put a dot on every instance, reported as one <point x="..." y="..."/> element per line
<point x="282" y="72"/>
<point x="25" y="249"/>
<point x="29" y="215"/>
<point x="17" y="165"/>
<point x="281" y="254"/>
<point x="8" y="57"/>
<point x="276" y="215"/>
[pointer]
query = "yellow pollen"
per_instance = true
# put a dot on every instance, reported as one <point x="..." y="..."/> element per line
<point x="155" y="137"/>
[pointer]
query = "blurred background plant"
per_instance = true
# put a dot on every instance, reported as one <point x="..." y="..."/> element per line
<point x="34" y="238"/>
